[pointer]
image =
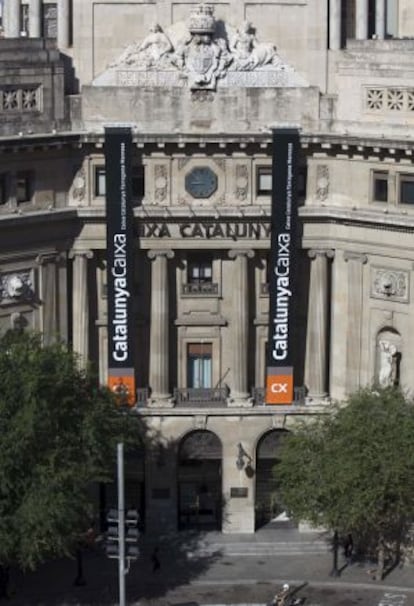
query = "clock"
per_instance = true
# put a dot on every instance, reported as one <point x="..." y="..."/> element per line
<point x="201" y="182"/>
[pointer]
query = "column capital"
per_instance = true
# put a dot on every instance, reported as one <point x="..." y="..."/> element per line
<point x="88" y="254"/>
<point x="245" y="252"/>
<point x="355" y="256"/>
<point x="51" y="257"/>
<point x="154" y="253"/>
<point x="321" y="252"/>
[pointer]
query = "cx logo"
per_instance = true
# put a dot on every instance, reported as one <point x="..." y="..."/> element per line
<point x="279" y="387"/>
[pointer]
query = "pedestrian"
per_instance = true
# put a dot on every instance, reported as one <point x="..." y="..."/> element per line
<point x="348" y="548"/>
<point x="156" y="564"/>
<point x="281" y="597"/>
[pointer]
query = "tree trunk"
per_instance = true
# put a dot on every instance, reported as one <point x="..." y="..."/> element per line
<point x="381" y="559"/>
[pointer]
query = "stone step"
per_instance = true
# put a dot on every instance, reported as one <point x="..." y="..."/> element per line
<point x="256" y="548"/>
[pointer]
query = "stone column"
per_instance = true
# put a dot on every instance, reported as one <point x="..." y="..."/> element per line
<point x="361" y="15"/>
<point x="48" y="293"/>
<point x="317" y="354"/>
<point x="35" y="18"/>
<point x="159" y="341"/>
<point x="80" y="303"/>
<point x="11" y="20"/>
<point x="355" y="307"/>
<point x="63" y="24"/>
<point x="334" y="24"/>
<point x="380" y="19"/>
<point x="239" y="395"/>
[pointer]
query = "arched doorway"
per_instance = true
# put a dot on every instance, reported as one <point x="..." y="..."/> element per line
<point x="199" y="481"/>
<point x="268" y="507"/>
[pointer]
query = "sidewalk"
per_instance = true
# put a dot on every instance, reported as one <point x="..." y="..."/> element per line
<point x="211" y="568"/>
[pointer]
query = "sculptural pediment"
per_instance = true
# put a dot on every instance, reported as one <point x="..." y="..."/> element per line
<point x="194" y="55"/>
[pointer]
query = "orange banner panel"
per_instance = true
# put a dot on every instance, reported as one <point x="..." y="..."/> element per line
<point x="279" y="389"/>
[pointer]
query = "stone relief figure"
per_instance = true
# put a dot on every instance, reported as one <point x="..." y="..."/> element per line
<point x="388" y="360"/>
<point x="248" y="53"/>
<point x="150" y="53"/>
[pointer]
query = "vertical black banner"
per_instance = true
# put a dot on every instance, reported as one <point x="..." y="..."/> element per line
<point x="119" y="222"/>
<point x="279" y="375"/>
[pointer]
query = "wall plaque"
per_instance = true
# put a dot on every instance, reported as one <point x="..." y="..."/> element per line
<point x="238" y="492"/>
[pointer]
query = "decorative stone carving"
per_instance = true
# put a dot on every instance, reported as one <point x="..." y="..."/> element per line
<point x="16" y="287"/>
<point x="203" y="96"/>
<point x="322" y="182"/>
<point x="248" y="53"/>
<point x="389" y="284"/>
<point x="242" y="182"/>
<point x="389" y="99"/>
<point x="160" y="182"/>
<point x="201" y="58"/>
<point x="79" y="185"/>
<point x="20" y="99"/>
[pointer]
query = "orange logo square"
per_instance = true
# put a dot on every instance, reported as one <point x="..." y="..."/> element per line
<point x="279" y="389"/>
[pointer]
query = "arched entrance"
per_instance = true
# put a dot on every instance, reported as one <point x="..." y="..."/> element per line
<point x="268" y="508"/>
<point x="199" y="481"/>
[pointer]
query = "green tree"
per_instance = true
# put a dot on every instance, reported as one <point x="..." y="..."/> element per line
<point x="352" y="470"/>
<point x="58" y="436"/>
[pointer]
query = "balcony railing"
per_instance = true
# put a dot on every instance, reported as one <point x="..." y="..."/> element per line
<point x="258" y="394"/>
<point x="200" y="289"/>
<point x="215" y="397"/>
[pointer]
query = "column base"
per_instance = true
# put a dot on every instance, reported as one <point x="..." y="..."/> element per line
<point x="240" y="401"/>
<point x="161" y="401"/>
<point x="317" y="399"/>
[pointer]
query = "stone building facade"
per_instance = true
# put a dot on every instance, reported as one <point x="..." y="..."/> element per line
<point x="202" y="86"/>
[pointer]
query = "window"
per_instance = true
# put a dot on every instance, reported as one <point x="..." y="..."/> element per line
<point x="264" y="180"/>
<point x="199" y="358"/>
<point x="3" y="189"/>
<point x="49" y="20"/>
<point x="200" y="270"/>
<point x="406" y="189"/>
<point x="138" y="183"/>
<point x="24" y="187"/>
<point x="24" y="20"/>
<point x="380" y="186"/>
<point x="100" y="181"/>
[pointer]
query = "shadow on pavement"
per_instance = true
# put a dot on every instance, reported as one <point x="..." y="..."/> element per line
<point x="53" y="583"/>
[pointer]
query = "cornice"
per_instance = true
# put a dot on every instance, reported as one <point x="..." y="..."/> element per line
<point x="359" y="218"/>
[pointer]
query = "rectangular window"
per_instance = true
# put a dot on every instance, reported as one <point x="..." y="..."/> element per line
<point x="200" y="270"/>
<point x="24" y="20"/>
<point x="49" y="22"/>
<point x="24" y="187"/>
<point x="3" y="189"/>
<point x="100" y="181"/>
<point x="406" y="189"/>
<point x="199" y="365"/>
<point x="138" y="183"/>
<point x="380" y="186"/>
<point x="264" y="180"/>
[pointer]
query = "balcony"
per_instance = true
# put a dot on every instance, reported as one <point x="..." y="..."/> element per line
<point x="203" y="398"/>
<point x="142" y="396"/>
<point x="258" y="395"/>
<point x="200" y="289"/>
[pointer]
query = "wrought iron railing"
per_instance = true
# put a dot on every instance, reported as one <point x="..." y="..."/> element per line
<point x="258" y="395"/>
<point x="202" y="397"/>
<point x="200" y="289"/>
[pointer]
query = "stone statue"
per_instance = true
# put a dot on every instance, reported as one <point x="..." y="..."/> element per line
<point x="248" y="53"/>
<point x="387" y="371"/>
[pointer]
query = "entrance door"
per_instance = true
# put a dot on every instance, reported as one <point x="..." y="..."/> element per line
<point x="199" y="482"/>
<point x="268" y="507"/>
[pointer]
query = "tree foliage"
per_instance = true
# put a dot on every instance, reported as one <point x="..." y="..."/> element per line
<point x="352" y="470"/>
<point x="58" y="435"/>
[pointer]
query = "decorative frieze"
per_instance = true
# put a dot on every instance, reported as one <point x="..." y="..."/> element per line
<point x="20" y="99"/>
<point x="242" y="182"/>
<point x="389" y="99"/>
<point x="389" y="284"/>
<point x="16" y="287"/>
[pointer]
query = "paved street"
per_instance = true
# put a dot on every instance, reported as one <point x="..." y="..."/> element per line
<point x="213" y="569"/>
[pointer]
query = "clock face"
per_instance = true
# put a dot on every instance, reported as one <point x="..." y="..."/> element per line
<point x="201" y="182"/>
